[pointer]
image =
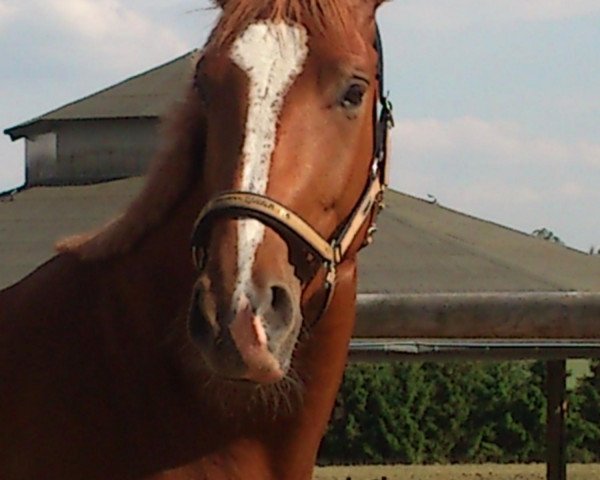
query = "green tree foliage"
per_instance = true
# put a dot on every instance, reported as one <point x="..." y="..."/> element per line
<point x="548" y="235"/>
<point x="454" y="412"/>
<point x="583" y="421"/>
<point x="449" y="408"/>
<point x="378" y="415"/>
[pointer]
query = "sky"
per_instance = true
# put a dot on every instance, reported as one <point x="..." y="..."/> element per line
<point x="497" y="102"/>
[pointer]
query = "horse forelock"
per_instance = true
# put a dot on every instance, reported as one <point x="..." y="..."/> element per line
<point x="327" y="18"/>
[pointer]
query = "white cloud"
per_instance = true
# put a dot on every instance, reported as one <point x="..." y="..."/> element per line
<point x="497" y="142"/>
<point x="95" y="19"/>
<point x="497" y="170"/>
<point x="6" y="12"/>
<point x="578" y="104"/>
<point x="573" y="189"/>
<point x="552" y="9"/>
<point x="590" y="153"/>
<point x="107" y="31"/>
<point x="456" y="14"/>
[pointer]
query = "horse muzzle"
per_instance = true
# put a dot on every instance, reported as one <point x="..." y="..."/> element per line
<point x="252" y="338"/>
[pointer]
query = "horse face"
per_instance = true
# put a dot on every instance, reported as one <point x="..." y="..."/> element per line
<point x="289" y="117"/>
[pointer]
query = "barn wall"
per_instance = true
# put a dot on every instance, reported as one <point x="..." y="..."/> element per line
<point x="40" y="154"/>
<point x="95" y="150"/>
<point x="104" y="149"/>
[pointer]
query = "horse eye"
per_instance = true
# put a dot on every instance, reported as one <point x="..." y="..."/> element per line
<point x="353" y="96"/>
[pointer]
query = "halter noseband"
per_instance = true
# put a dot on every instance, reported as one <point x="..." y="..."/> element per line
<point x="241" y="204"/>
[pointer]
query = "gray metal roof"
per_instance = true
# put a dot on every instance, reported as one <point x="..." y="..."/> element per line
<point x="419" y="249"/>
<point x="432" y="272"/>
<point x="37" y="217"/>
<point x="425" y="248"/>
<point x="149" y="94"/>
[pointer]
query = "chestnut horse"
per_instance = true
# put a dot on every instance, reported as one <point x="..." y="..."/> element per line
<point x="121" y="359"/>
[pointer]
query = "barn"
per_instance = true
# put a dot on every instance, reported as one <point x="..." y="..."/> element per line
<point x="436" y="284"/>
<point x="106" y="135"/>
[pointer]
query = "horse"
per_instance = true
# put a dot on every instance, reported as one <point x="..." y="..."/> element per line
<point x="203" y="333"/>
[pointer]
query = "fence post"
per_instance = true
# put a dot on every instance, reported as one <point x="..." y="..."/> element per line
<point x="556" y="374"/>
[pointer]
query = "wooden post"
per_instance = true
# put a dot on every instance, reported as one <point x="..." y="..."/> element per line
<point x="556" y="374"/>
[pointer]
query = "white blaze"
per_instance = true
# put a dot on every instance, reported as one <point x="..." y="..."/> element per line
<point x="272" y="56"/>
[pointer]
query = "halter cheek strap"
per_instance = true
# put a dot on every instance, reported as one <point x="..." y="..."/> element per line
<point x="331" y="251"/>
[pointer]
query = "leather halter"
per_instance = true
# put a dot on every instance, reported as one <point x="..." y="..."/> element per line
<point x="332" y="251"/>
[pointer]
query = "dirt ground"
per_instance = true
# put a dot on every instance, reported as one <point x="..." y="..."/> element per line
<point x="453" y="472"/>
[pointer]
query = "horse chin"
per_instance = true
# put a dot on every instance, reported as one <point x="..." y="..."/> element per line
<point x="220" y="371"/>
<point x="213" y="368"/>
<point x="229" y="395"/>
<point x="250" y="366"/>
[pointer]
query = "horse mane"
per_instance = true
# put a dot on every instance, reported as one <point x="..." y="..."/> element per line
<point x="178" y="163"/>
<point x="173" y="171"/>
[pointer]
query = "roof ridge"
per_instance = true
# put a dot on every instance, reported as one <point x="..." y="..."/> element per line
<point x="496" y="260"/>
<point x="483" y="220"/>
<point x="9" y="131"/>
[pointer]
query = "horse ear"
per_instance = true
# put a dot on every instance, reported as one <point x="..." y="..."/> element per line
<point x="220" y="3"/>
<point x="378" y="3"/>
<point x="365" y="11"/>
<point x="367" y="8"/>
<point x="371" y="4"/>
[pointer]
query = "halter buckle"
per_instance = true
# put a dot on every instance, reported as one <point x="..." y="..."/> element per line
<point x="388" y="110"/>
<point x="369" y="237"/>
<point x="336" y="249"/>
<point x="331" y="275"/>
<point x="375" y="166"/>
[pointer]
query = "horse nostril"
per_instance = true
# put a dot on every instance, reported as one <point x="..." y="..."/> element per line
<point x="198" y="324"/>
<point x="281" y="302"/>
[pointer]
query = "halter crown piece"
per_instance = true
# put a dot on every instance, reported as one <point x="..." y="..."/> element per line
<point x="331" y="252"/>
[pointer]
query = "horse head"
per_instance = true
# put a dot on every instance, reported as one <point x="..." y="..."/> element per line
<point x="293" y="168"/>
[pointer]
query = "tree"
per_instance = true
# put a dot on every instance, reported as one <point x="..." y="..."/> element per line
<point x="444" y="422"/>
<point x="378" y="416"/>
<point x="546" y="234"/>
<point x="583" y="427"/>
<point x="507" y="419"/>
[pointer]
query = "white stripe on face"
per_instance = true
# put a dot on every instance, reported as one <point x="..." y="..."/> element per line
<point x="272" y="55"/>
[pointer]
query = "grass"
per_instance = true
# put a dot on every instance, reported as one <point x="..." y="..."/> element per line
<point x="577" y="368"/>
<point x="453" y="472"/>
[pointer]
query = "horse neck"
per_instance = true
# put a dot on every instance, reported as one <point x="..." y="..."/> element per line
<point x="162" y="264"/>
